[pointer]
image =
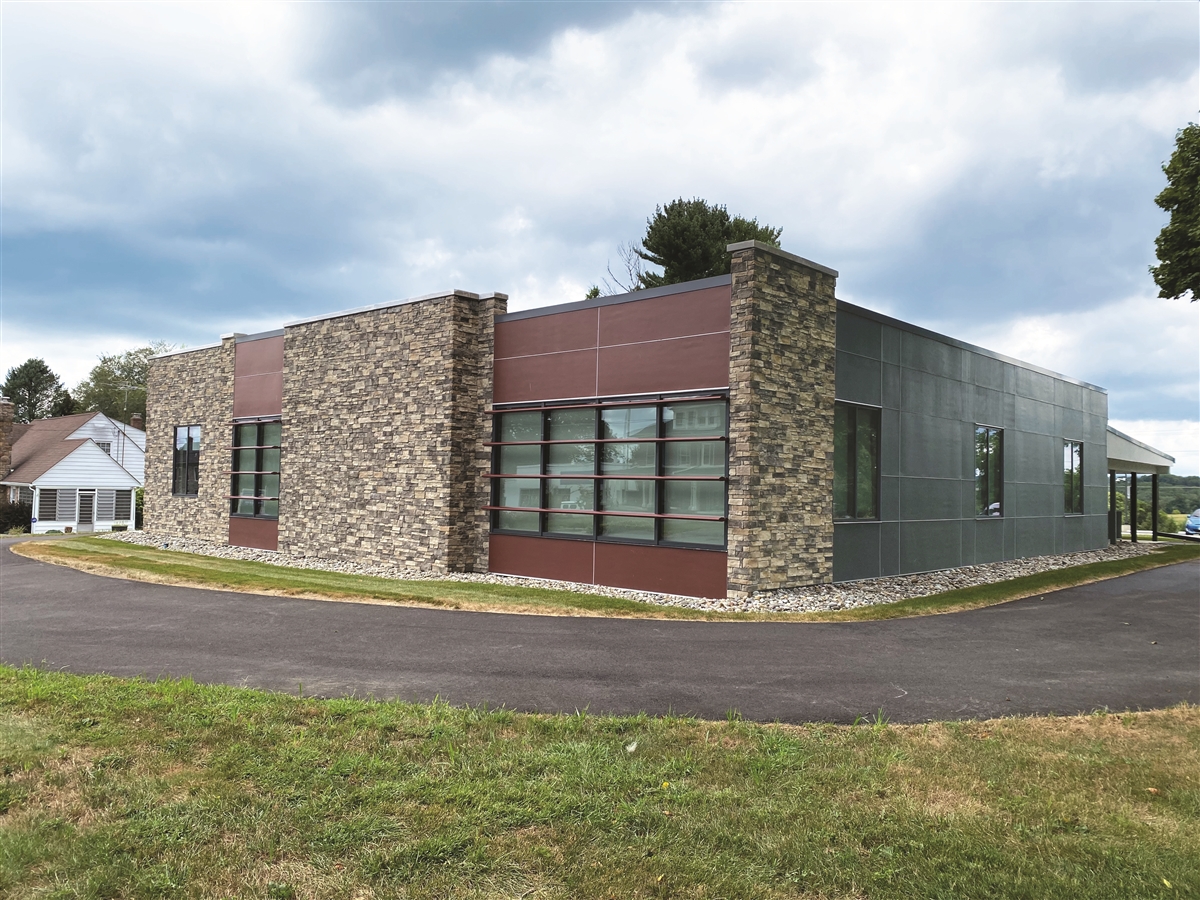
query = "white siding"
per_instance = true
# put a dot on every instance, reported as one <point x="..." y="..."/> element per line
<point x="88" y="467"/>
<point x="127" y="447"/>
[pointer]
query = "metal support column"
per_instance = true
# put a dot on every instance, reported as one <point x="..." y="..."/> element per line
<point x="1114" y="532"/>
<point x="1133" y="510"/>
<point x="1154" y="507"/>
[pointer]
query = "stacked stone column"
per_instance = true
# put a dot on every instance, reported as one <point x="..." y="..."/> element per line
<point x="781" y="383"/>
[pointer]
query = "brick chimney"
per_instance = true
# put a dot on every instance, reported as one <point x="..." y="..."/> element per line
<point x="6" y="427"/>
<point x="137" y="421"/>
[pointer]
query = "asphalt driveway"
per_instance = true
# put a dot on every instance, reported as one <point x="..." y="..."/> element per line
<point x="1128" y="643"/>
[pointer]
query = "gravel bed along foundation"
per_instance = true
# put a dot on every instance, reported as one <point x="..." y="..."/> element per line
<point x="847" y="595"/>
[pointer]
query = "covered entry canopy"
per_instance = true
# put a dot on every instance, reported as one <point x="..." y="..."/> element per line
<point x="1126" y="454"/>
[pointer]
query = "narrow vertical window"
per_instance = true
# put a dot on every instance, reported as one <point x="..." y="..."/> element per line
<point x="186" y="474"/>
<point x="1073" y="478"/>
<point x="989" y="471"/>
<point x="855" y="462"/>
<point x="254" y="485"/>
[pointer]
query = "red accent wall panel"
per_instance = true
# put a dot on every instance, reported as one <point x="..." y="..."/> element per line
<point x="676" y="315"/>
<point x="669" y="570"/>
<point x="548" y="334"/>
<point x="261" y="534"/>
<point x="258" y="395"/>
<point x="258" y="377"/>
<point x="680" y="364"/>
<point x="552" y="376"/>
<point x="533" y="557"/>
<point x="258" y="357"/>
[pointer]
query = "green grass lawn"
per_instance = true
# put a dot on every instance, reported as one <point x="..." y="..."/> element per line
<point x="116" y="788"/>
<point x="110" y="557"/>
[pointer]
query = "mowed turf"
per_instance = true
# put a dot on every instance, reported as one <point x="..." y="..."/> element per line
<point x="115" y="788"/>
<point x="116" y="558"/>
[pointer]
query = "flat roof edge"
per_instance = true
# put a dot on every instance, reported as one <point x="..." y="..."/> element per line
<point x="683" y="287"/>
<point x="183" y="350"/>
<point x="386" y="305"/>
<point x="771" y="248"/>
<point x="1138" y="443"/>
<point x="962" y="345"/>
<point x="260" y="336"/>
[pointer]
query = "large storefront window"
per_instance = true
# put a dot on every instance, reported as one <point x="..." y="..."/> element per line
<point x="855" y="462"/>
<point x="989" y="470"/>
<point x="652" y="472"/>
<point x="254" y="488"/>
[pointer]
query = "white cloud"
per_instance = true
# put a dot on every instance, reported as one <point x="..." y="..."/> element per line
<point x="1178" y="438"/>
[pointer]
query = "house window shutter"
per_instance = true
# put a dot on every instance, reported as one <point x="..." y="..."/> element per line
<point x="66" y="506"/>
<point x="124" y="505"/>
<point x="105" y="503"/>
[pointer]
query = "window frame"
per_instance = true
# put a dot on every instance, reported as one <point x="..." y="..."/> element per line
<point x="999" y="432"/>
<point x="852" y="476"/>
<point x="597" y="477"/>
<point x="190" y="467"/>
<point x="259" y="498"/>
<point x="1073" y="490"/>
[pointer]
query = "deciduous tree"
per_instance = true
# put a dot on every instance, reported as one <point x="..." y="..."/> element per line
<point x="1178" y="244"/>
<point x="116" y="385"/>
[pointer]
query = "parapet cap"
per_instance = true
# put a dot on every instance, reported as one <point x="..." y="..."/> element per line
<point x="759" y="245"/>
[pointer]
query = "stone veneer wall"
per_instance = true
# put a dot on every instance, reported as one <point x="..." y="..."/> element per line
<point x="383" y="454"/>
<point x="190" y="388"/>
<point x="781" y="384"/>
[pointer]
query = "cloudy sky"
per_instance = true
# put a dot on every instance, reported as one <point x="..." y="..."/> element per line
<point x="172" y="172"/>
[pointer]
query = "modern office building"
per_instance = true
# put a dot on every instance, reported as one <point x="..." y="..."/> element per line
<point x="740" y="433"/>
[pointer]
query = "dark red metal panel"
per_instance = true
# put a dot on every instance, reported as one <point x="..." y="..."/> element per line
<point x="681" y="364"/>
<point x="262" y="534"/>
<point x="533" y="557"/>
<point x="548" y="334"/>
<point x="669" y="570"/>
<point x="258" y="395"/>
<point x="258" y="357"/>
<point x="676" y="315"/>
<point x="553" y="376"/>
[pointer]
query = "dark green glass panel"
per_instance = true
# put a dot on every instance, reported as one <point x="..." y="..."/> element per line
<point x="571" y="459"/>
<point x="627" y="459"/>
<point x="572" y="424"/>
<point x="567" y="523"/>
<point x="694" y="498"/>
<point x="867" y="464"/>
<point x="270" y="460"/>
<point x="245" y="461"/>
<point x="244" y="507"/>
<point x="519" y="492"/>
<point x="243" y="485"/>
<point x="246" y="436"/>
<point x="570" y="493"/>
<point x="626" y="527"/>
<point x="694" y="419"/>
<point x="685" y="531"/>
<point x="629" y="422"/>
<point x="518" y="521"/>
<point x="522" y="426"/>
<point x="269" y="486"/>
<point x="694" y="458"/>
<point x="271" y="434"/>
<point x="194" y="437"/>
<point x="521" y="460"/>
<point x="627" y="496"/>
<point x="269" y="508"/>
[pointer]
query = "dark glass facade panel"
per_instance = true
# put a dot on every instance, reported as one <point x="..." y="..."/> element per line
<point x="618" y="459"/>
<point x="989" y="471"/>
<point x="1073" y="478"/>
<point x="855" y="462"/>
<point x="629" y="422"/>
<point x="254" y="482"/>
<point x="186" y="462"/>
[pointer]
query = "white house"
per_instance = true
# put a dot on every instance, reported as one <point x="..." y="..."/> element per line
<point x="80" y="472"/>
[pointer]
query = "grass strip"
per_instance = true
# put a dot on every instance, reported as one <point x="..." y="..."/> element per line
<point x="127" y="788"/>
<point x="118" y="559"/>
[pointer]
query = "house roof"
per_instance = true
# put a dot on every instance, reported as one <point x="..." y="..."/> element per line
<point x="43" y="444"/>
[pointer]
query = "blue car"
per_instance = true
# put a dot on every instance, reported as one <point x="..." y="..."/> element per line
<point x="1192" y="525"/>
